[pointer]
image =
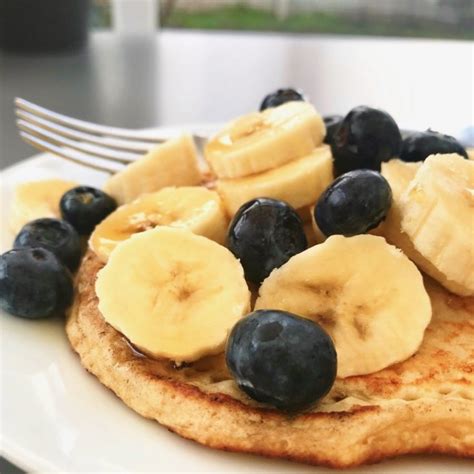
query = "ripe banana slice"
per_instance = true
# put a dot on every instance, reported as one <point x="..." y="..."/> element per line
<point x="195" y="208"/>
<point x="299" y="182"/>
<point x="399" y="174"/>
<point x="437" y="212"/>
<point x="172" y="293"/>
<point x="173" y="163"/>
<point x="36" y="199"/>
<point x="264" y="140"/>
<point x="366" y="293"/>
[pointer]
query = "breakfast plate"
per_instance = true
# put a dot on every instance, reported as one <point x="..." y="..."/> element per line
<point x="57" y="417"/>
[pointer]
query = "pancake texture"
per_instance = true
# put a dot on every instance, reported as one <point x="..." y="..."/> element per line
<point x="422" y="405"/>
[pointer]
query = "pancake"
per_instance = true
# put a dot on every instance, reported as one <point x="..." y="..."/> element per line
<point x="422" y="405"/>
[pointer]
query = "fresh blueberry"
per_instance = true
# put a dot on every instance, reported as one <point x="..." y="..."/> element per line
<point x="84" y="207"/>
<point x="354" y="203"/>
<point x="264" y="234"/>
<point x="279" y="97"/>
<point x="332" y="123"/>
<point x="54" y="235"/>
<point x="34" y="283"/>
<point x="419" y="145"/>
<point x="365" y="138"/>
<point x="406" y="133"/>
<point x="282" y="359"/>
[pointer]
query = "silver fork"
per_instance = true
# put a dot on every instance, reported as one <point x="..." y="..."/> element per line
<point x="93" y="145"/>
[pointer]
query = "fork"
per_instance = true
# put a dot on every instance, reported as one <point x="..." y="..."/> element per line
<point x="95" y="146"/>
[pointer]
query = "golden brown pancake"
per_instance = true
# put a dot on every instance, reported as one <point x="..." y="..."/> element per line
<point x="422" y="405"/>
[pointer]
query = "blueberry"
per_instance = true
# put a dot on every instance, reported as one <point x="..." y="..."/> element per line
<point x="354" y="203"/>
<point x="54" y="235"/>
<point x="365" y="138"/>
<point x="84" y="207"/>
<point x="264" y="234"/>
<point x="332" y="123"/>
<point x="279" y="97"/>
<point x="282" y="359"/>
<point x="34" y="283"/>
<point x="419" y="145"/>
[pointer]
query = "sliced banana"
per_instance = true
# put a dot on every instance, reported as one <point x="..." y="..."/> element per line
<point x="300" y="182"/>
<point x="172" y="293"/>
<point x="195" y="208"/>
<point x="366" y="293"/>
<point x="37" y="199"/>
<point x="264" y="140"/>
<point x="437" y="215"/>
<point x="173" y="163"/>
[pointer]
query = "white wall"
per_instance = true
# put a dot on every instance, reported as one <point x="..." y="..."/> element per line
<point x="422" y="83"/>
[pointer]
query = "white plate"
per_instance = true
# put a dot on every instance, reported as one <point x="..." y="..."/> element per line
<point x="57" y="417"/>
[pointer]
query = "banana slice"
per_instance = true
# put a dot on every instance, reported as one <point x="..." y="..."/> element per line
<point x="173" y="294"/>
<point x="36" y="199"/>
<point x="399" y="174"/>
<point x="195" y="208"/>
<point x="366" y="293"/>
<point x="173" y="163"/>
<point x="437" y="215"/>
<point x="264" y="140"/>
<point x="299" y="182"/>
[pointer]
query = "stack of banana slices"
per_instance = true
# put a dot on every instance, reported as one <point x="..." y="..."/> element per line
<point x="278" y="153"/>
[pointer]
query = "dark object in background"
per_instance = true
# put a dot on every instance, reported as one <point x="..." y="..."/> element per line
<point x="281" y="96"/>
<point x="43" y="25"/>
<point x="419" y="145"/>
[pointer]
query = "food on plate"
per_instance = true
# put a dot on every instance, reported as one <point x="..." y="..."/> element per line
<point x="173" y="293"/>
<point x="281" y="359"/>
<point x="365" y="138"/>
<point x="84" y="207"/>
<point x="292" y="332"/>
<point x="263" y="235"/>
<point x="364" y="292"/>
<point x="299" y="182"/>
<point x="420" y="405"/>
<point x="192" y="207"/>
<point x="173" y="163"/>
<point x="35" y="199"/>
<point x="417" y="146"/>
<point x="354" y="203"/>
<point x="260" y="141"/>
<point x="437" y="216"/>
<point x="55" y="235"/>
<point x="279" y="97"/>
<point x="34" y="283"/>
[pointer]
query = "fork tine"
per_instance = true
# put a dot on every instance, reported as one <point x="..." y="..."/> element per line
<point x="67" y="154"/>
<point x="117" y="143"/>
<point x="86" y="148"/>
<point x="89" y="127"/>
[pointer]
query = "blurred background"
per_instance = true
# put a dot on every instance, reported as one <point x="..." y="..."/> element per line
<point x="144" y="63"/>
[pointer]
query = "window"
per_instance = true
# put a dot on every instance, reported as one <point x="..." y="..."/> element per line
<point x="405" y="18"/>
